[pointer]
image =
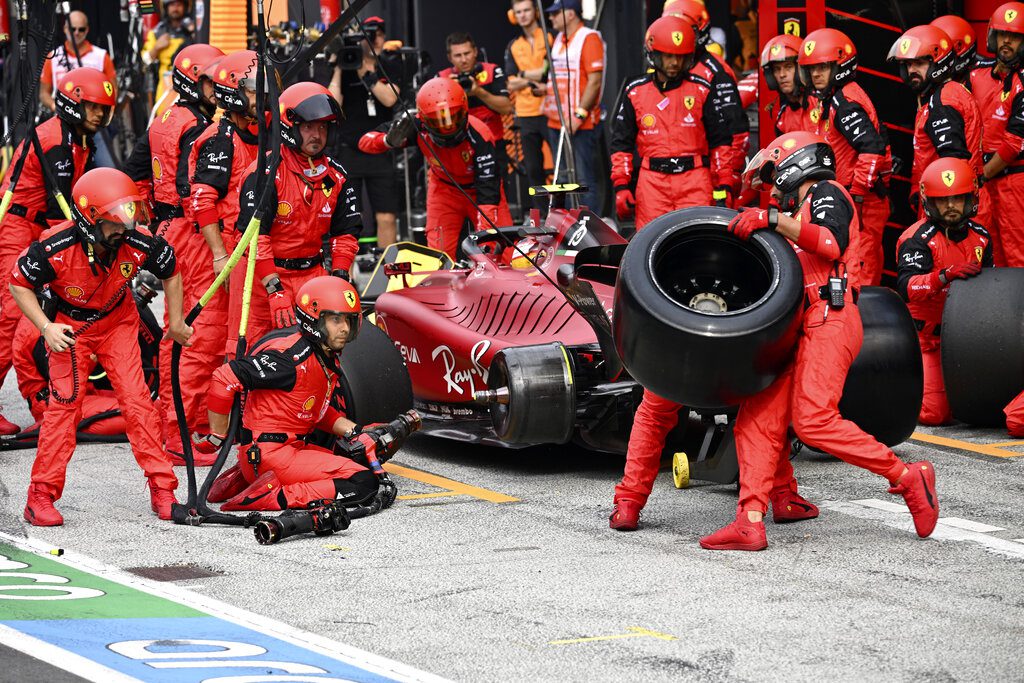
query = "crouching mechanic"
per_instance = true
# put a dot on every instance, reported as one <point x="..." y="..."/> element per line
<point x="290" y="380"/>
<point x="801" y="168"/>
<point x="89" y="264"/>
<point x="945" y="246"/>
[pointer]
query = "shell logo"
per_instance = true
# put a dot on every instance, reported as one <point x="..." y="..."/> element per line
<point x="108" y="88"/>
<point x="304" y="301"/>
<point x="847" y="49"/>
<point x="968" y="39"/>
<point x="1010" y="15"/>
<point x="157" y="171"/>
<point x="677" y="38"/>
<point x="647" y="121"/>
<point x="948" y="178"/>
<point x="83" y="201"/>
<point x="222" y="74"/>
<point x="307" y="405"/>
<point x="775" y="49"/>
<point x="74" y="292"/>
<point x="789" y="144"/>
<point x="905" y="46"/>
<point x="186" y="63"/>
<point x="350" y="297"/>
<point x="69" y="86"/>
<point x="283" y="209"/>
<point x="943" y="43"/>
<point x="809" y="47"/>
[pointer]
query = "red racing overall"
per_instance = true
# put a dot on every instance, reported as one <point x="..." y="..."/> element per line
<point x="61" y="259"/>
<point x="289" y="387"/>
<point x="683" y="142"/>
<point x="790" y="117"/>
<point x="923" y="251"/>
<point x="312" y="203"/>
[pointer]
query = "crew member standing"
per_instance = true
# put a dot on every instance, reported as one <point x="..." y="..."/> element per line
<point x="948" y="123"/>
<point x="85" y="103"/>
<point x="89" y="264"/>
<point x="846" y="119"/>
<point x="965" y="45"/>
<point x="792" y="110"/>
<point x="817" y="215"/>
<point x="459" y="149"/>
<point x="484" y="83"/>
<point x="309" y="203"/>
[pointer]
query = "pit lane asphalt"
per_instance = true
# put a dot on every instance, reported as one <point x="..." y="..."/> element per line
<point x="540" y="589"/>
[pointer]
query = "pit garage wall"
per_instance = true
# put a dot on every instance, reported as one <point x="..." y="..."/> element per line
<point x="873" y="26"/>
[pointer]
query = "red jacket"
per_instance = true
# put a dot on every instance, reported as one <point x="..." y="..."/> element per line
<point x="217" y="166"/>
<point x="670" y="122"/>
<point x="66" y="153"/>
<point x="492" y="79"/>
<point x="61" y="260"/>
<point x="848" y="122"/>
<point x="1001" y="101"/>
<point x="948" y="124"/>
<point x="307" y="204"/>
<point x="925" y="248"/>
<point x="789" y="117"/>
<point x="726" y="97"/>
<point x="289" y="384"/>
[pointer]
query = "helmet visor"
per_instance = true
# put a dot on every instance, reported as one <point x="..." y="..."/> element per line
<point x="354" y="320"/>
<point x="130" y="212"/>
<point x="316" y="108"/>
<point x="444" y="121"/>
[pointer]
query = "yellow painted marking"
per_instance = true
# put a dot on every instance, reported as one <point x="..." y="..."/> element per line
<point x="435" y="494"/>
<point x="1019" y="443"/>
<point x="450" y="484"/>
<point x="635" y="632"/>
<point x="981" y="448"/>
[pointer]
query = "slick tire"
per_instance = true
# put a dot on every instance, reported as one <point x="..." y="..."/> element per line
<point x="374" y="381"/>
<point x="541" y="398"/>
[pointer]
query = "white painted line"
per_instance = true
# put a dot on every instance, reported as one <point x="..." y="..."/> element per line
<point x="208" y="605"/>
<point x="882" y="505"/>
<point x="999" y="546"/>
<point x="969" y="525"/>
<point x="1018" y="540"/>
<point x="60" y="658"/>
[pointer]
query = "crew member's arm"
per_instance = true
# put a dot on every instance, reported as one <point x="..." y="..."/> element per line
<point x="829" y="234"/>
<point x="1013" y="139"/>
<point x="162" y="262"/>
<point x="209" y="185"/>
<point x="269" y="369"/>
<point x="516" y="77"/>
<point x="494" y="95"/>
<point x="33" y="269"/>
<point x="592" y="63"/>
<point x="395" y="135"/>
<point x="61" y="161"/>
<point x="337" y="424"/>
<point x="720" y="137"/>
<point x="139" y="167"/>
<point x="188" y="138"/>
<point x="624" y="132"/>
<point x="346" y="224"/>
<point x="945" y="127"/>
<point x="854" y="124"/>
<point x="46" y="85"/>
<point x="377" y="84"/>
<point x="487" y="176"/>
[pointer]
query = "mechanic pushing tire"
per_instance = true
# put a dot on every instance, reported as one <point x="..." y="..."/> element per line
<point x="374" y="381"/>
<point x="727" y="310"/>
<point x="983" y="345"/>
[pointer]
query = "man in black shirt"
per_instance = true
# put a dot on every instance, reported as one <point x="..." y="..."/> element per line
<point x="367" y="100"/>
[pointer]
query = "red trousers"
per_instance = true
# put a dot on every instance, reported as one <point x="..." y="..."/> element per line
<point x="259" y="322"/>
<point x="807" y="395"/>
<point x="659" y="193"/>
<point x="1007" y="195"/>
<point x="306" y="473"/>
<point x="448" y="209"/>
<point x="16" y="234"/>
<point x="874" y="213"/>
<point x="935" y="408"/>
<point x="1015" y="417"/>
<point x="654" y="419"/>
<point x="114" y="341"/>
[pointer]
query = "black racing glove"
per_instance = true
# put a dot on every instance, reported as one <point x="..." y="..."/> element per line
<point x="399" y="130"/>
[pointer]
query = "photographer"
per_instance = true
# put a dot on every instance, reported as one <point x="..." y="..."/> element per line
<point x="367" y="99"/>
<point x="163" y="42"/>
<point x="527" y="66"/>
<point x="483" y="82"/>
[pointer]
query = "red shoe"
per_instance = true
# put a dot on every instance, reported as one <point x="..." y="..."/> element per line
<point x="161" y="500"/>
<point x="917" y="487"/>
<point x="198" y="459"/>
<point x="8" y="428"/>
<point x="39" y="510"/>
<point x="228" y="485"/>
<point x="262" y="494"/>
<point x="625" y="515"/>
<point x="790" y="506"/>
<point x="740" y="535"/>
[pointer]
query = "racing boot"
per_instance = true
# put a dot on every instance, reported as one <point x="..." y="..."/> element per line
<point x="39" y="510"/>
<point x="625" y="515"/>
<point x="264" y="493"/>
<point x="228" y="485"/>
<point x="790" y="506"/>
<point x="161" y="500"/>
<point x="8" y="428"/>
<point x="740" y="535"/>
<point x="917" y="487"/>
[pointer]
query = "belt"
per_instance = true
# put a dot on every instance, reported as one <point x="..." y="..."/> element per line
<point x="84" y="314"/>
<point x="280" y="437"/>
<point x="163" y="211"/>
<point x="674" y="165"/>
<point x="33" y="215"/>
<point x="301" y="263"/>
<point x="464" y="186"/>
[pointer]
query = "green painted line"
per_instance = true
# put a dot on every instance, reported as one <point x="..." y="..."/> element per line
<point x="109" y="600"/>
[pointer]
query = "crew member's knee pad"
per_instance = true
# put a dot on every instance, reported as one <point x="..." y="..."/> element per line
<point x="357" y="489"/>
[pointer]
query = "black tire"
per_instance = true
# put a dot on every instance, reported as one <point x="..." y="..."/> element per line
<point x="706" y="360"/>
<point x="374" y="381"/>
<point x="541" y="395"/>
<point x="983" y="345"/>
<point x="886" y="371"/>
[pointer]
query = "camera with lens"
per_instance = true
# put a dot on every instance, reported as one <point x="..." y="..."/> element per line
<point x="466" y="79"/>
<point x="350" y="54"/>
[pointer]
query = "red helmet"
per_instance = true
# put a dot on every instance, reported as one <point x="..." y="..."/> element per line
<point x="326" y="295"/>
<point x="693" y="11"/>
<point x="828" y="46"/>
<point x="190" y="65"/>
<point x="443" y="109"/>
<point x="233" y="75"/>
<point x="669" y="35"/>
<point x="106" y="194"/>
<point x="924" y="42"/>
<point x="84" y="84"/>
<point x="965" y="44"/>
<point x="781" y="48"/>
<point x="949" y="177"/>
<point x="1008" y="17"/>
<point x="788" y="161"/>
<point x="302" y="103"/>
